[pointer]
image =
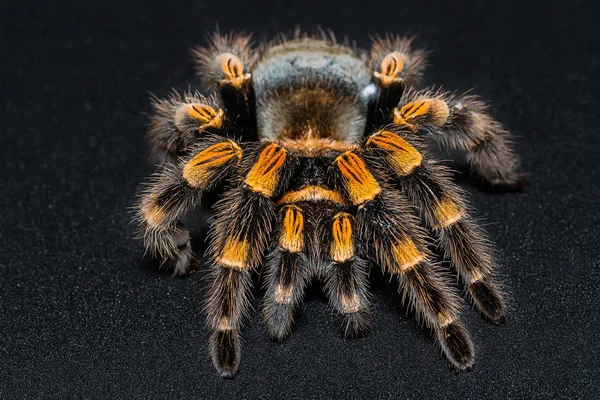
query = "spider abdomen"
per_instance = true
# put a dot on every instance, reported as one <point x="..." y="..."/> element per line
<point x="311" y="89"/>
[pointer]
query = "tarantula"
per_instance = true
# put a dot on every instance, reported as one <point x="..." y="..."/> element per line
<point x="319" y="152"/>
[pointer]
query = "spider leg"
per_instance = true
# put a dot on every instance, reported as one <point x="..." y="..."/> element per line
<point x="175" y="189"/>
<point x="238" y="239"/>
<point x="178" y="122"/>
<point x="444" y="209"/>
<point x="226" y="64"/>
<point x="390" y="232"/>
<point x="347" y="283"/>
<point x="396" y="66"/>
<point x="463" y="123"/>
<point x="287" y="273"/>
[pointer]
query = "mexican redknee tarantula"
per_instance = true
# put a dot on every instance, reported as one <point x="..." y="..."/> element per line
<point x="320" y="153"/>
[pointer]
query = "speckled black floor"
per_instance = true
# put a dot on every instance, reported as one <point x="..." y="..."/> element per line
<point x="82" y="315"/>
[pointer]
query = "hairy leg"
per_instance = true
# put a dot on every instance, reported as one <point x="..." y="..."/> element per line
<point x="463" y="123"/>
<point x="287" y="274"/>
<point x="175" y="189"/>
<point x="444" y="209"/>
<point x="238" y="240"/>
<point x="396" y="67"/>
<point x="347" y="284"/>
<point x="226" y="63"/>
<point x="388" y="229"/>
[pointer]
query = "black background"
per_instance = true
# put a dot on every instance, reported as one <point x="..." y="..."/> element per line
<point x="83" y="315"/>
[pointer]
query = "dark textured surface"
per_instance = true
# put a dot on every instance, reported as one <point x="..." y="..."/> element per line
<point x="82" y="316"/>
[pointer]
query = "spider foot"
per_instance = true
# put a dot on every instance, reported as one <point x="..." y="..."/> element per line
<point x="456" y="344"/>
<point x="489" y="300"/>
<point x="225" y="352"/>
<point x="278" y="320"/>
<point x="355" y="325"/>
<point x="181" y="263"/>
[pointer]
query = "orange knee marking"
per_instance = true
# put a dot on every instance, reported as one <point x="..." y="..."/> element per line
<point x="425" y="111"/>
<point x="390" y="68"/>
<point x="234" y="253"/>
<point x="342" y="247"/>
<point x="264" y="175"/>
<point x="447" y="213"/>
<point x="203" y="114"/>
<point x="292" y="237"/>
<point x="200" y="169"/>
<point x="154" y="215"/>
<point x="403" y="157"/>
<point x="233" y="70"/>
<point x="359" y="182"/>
<point x="406" y="254"/>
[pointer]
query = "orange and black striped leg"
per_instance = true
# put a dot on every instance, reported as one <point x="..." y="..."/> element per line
<point x="463" y="123"/>
<point x="176" y="189"/>
<point x="286" y="273"/>
<point x="441" y="202"/>
<point x="178" y="122"/>
<point x="463" y="242"/>
<point x="227" y="306"/>
<point x="395" y="67"/>
<point x="392" y="238"/>
<point x="425" y="288"/>
<point x="239" y="238"/>
<point x="226" y="63"/>
<point x="347" y="285"/>
<point x="400" y="248"/>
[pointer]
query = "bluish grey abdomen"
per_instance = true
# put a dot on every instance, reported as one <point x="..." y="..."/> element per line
<point x="311" y="89"/>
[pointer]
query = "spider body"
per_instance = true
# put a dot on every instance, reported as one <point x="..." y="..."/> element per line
<point x="322" y="150"/>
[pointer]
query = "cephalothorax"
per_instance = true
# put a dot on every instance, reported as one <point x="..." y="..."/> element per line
<point x="319" y="151"/>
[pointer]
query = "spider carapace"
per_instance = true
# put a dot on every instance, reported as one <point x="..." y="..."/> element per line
<point x="319" y="153"/>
